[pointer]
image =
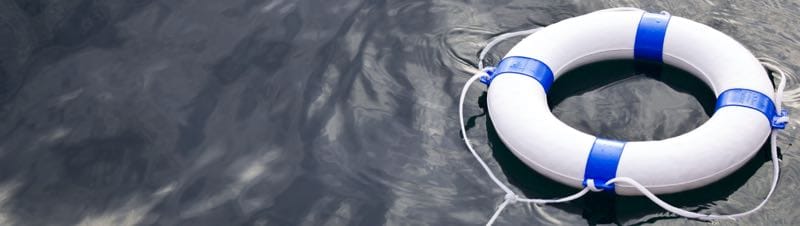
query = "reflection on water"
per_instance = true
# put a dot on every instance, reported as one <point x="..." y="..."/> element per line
<point x="257" y="112"/>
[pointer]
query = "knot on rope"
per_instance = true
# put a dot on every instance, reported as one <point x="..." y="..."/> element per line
<point x="780" y="120"/>
<point x="591" y="186"/>
<point x="486" y="75"/>
<point x="511" y="198"/>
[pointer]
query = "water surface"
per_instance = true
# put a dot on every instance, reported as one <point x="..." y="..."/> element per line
<point x="270" y="112"/>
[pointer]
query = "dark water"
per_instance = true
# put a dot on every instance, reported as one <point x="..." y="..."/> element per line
<point x="258" y="112"/>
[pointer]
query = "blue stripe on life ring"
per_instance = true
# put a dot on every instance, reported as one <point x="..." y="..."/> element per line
<point x="525" y="66"/>
<point x="649" y="44"/>
<point x="751" y="99"/>
<point x="602" y="163"/>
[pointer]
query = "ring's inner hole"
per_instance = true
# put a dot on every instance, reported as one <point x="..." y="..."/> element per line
<point x="631" y="100"/>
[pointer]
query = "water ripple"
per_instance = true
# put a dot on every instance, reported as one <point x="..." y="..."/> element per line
<point x="256" y="112"/>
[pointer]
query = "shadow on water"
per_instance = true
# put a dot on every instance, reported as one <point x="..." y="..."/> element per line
<point x="603" y="208"/>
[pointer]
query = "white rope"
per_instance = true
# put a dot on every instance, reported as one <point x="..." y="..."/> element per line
<point x="511" y="197"/>
<point x="776" y="169"/>
<point x="499" y="39"/>
<point x="466" y="138"/>
<point x="505" y="36"/>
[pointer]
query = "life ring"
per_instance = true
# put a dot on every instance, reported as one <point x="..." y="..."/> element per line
<point x="744" y="117"/>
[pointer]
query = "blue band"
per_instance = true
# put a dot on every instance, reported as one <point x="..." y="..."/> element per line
<point x="602" y="163"/>
<point x="754" y="100"/>
<point x="525" y="66"/>
<point x="650" y="34"/>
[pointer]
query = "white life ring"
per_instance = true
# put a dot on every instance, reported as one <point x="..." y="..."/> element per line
<point x="518" y="105"/>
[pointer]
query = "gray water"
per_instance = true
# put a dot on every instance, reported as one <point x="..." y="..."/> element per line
<point x="259" y="112"/>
